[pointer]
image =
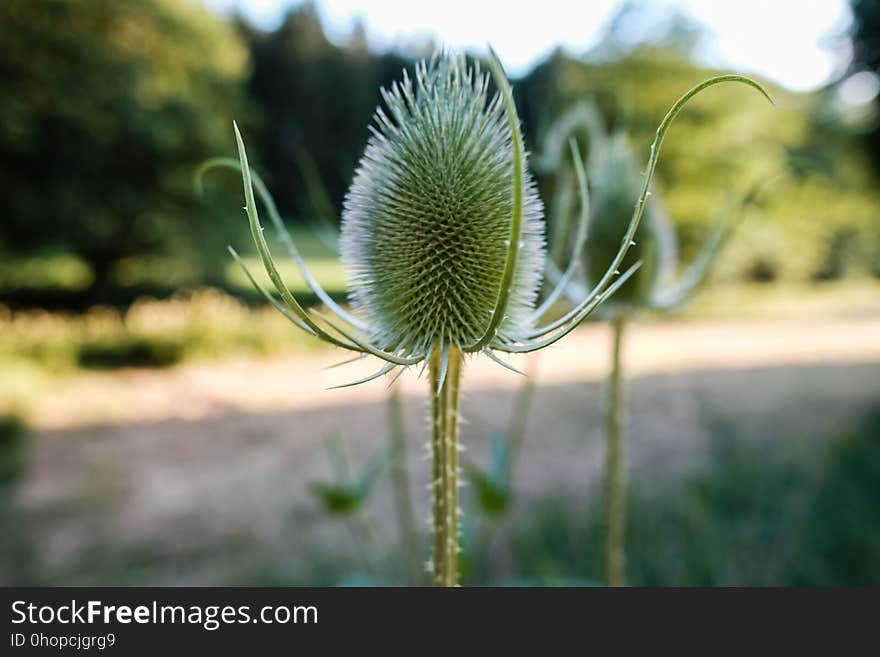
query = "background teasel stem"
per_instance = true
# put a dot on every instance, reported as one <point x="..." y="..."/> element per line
<point x="615" y="472"/>
<point x="445" y="380"/>
<point x="613" y="186"/>
<point x="401" y="487"/>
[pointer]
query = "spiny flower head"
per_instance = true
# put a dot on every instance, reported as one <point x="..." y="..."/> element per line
<point x="442" y="229"/>
<point x="426" y="222"/>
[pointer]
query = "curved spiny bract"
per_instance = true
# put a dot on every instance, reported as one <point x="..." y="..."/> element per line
<point x="427" y="221"/>
<point x="283" y="234"/>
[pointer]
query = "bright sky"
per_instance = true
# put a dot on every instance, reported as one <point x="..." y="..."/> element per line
<point x="789" y="41"/>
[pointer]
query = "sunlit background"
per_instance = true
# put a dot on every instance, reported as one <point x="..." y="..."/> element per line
<point x="159" y="424"/>
<point x="747" y="36"/>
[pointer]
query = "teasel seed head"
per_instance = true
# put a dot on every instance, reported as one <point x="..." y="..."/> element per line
<point x="608" y="193"/>
<point x="426" y="222"/>
<point x="443" y="230"/>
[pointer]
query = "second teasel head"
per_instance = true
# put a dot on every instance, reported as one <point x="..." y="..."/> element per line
<point x="615" y="183"/>
<point x="614" y="180"/>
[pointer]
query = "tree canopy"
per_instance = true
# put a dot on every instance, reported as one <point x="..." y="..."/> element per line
<point x="107" y="108"/>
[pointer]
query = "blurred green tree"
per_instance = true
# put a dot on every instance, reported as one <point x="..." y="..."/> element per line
<point x="107" y="108"/>
<point x="317" y="98"/>
<point x="866" y="56"/>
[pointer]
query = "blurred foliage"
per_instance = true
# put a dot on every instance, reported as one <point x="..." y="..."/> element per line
<point x="761" y="514"/>
<point x="843" y="527"/>
<point x="58" y="271"/>
<point x="494" y="492"/>
<point x="12" y="449"/>
<point x="16" y="551"/>
<point x="128" y="351"/>
<point x="866" y="34"/>
<point x="317" y="98"/>
<point x="492" y="487"/>
<point x="866" y="57"/>
<point x="201" y="324"/>
<point x="346" y="494"/>
<point x="345" y="498"/>
<point x="819" y="220"/>
<point x="108" y="106"/>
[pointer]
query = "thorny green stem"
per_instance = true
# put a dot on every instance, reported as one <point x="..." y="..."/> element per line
<point x="615" y="510"/>
<point x="401" y="487"/>
<point x="516" y="432"/>
<point x="444" y="451"/>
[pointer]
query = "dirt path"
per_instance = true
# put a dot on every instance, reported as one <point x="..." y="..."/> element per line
<point x="227" y="499"/>
<point x="202" y="474"/>
<point x="198" y="391"/>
